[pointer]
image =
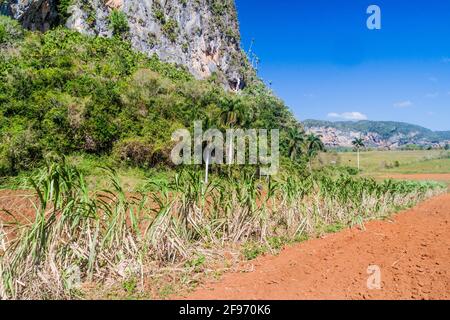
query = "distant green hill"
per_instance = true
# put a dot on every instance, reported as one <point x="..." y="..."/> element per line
<point x="379" y="133"/>
<point x="443" y="134"/>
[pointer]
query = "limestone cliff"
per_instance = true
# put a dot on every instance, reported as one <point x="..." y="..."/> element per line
<point x="202" y="35"/>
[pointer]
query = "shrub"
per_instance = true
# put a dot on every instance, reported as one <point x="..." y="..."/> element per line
<point x="351" y="170"/>
<point x="170" y="29"/>
<point x="19" y="151"/>
<point x="119" y="23"/>
<point x="63" y="8"/>
<point x="136" y="152"/>
<point x="10" y="31"/>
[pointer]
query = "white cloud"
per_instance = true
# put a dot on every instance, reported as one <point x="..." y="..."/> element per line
<point x="446" y="60"/>
<point x="348" y="115"/>
<point x="403" y="104"/>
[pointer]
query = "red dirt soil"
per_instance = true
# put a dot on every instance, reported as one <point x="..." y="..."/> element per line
<point x="16" y="205"/>
<point x="412" y="251"/>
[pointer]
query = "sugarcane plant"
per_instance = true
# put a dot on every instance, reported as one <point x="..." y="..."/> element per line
<point x="108" y="236"/>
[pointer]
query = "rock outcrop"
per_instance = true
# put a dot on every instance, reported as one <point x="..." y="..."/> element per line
<point x="202" y="35"/>
<point x="33" y="14"/>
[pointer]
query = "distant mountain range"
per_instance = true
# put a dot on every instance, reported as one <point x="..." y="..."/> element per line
<point x="376" y="134"/>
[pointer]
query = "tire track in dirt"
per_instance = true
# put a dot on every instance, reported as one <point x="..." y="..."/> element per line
<point x="412" y="250"/>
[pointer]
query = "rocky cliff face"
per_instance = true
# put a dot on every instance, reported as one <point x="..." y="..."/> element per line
<point x="333" y="137"/>
<point x="33" y="14"/>
<point x="202" y="35"/>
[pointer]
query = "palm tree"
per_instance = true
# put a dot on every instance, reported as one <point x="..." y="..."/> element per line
<point x="233" y="114"/>
<point x="358" y="143"/>
<point x="295" y="139"/>
<point x="209" y="124"/>
<point x="314" y="145"/>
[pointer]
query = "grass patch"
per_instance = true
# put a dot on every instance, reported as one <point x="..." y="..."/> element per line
<point x="334" y="228"/>
<point x="385" y="161"/>
<point x="253" y="250"/>
<point x="429" y="166"/>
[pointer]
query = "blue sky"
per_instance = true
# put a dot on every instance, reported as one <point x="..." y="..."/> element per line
<point x="325" y="63"/>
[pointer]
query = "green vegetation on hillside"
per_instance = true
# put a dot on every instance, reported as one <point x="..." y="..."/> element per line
<point x="66" y="93"/>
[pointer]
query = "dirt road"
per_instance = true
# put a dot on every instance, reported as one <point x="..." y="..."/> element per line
<point x="412" y="252"/>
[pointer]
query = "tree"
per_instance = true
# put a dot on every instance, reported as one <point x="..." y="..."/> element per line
<point x="314" y="145"/>
<point x="295" y="140"/>
<point x="358" y="143"/>
<point x="233" y="115"/>
<point x="210" y="124"/>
